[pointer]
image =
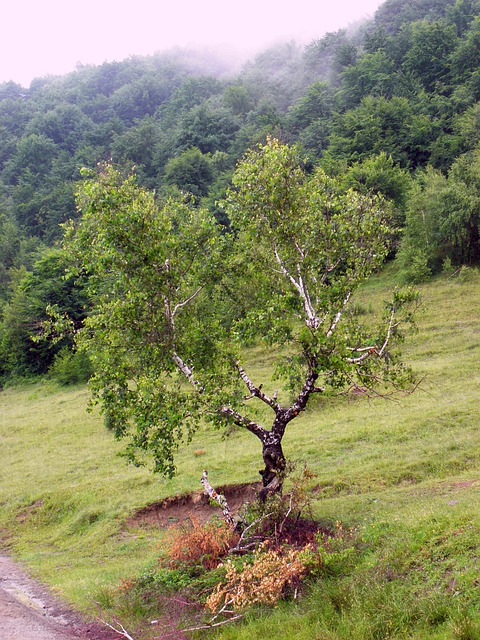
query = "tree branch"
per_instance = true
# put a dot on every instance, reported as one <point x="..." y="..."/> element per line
<point x="185" y="302"/>
<point x="123" y="631"/>
<point x="312" y="318"/>
<point x="205" y="627"/>
<point x="187" y="371"/>
<point x="336" y="320"/>
<point x="299" y="249"/>
<point x="239" y="548"/>
<point x="328" y="271"/>
<point x="285" y="271"/>
<point x="256" y="391"/>
<point x="219" y="499"/>
<point x="391" y="326"/>
<point x="302" y="398"/>
<point x="370" y="351"/>
<point x="242" y="421"/>
<point x="372" y="391"/>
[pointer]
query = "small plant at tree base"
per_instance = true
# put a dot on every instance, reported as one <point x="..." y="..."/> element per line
<point x="200" y="544"/>
<point x="277" y="518"/>
<point x="278" y="570"/>
<point x="265" y="581"/>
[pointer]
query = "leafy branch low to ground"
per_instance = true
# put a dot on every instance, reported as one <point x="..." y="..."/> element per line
<point x="401" y="478"/>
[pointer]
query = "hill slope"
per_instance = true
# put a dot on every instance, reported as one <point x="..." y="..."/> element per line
<point x="405" y="474"/>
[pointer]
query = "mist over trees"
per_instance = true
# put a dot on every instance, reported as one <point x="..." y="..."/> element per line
<point x="390" y="108"/>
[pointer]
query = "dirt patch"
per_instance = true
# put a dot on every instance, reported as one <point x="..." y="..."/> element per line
<point x="446" y="487"/>
<point x="179" y="509"/>
<point x="24" y="514"/>
<point x="196" y="507"/>
<point x="462" y="484"/>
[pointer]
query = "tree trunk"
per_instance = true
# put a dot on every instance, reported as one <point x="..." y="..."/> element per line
<point x="275" y="463"/>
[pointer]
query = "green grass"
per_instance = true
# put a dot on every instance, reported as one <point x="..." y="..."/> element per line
<point x="405" y="472"/>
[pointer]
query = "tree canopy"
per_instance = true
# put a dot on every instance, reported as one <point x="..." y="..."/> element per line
<point x="171" y="314"/>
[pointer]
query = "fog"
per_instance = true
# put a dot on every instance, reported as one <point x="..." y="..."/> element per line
<point x="53" y="36"/>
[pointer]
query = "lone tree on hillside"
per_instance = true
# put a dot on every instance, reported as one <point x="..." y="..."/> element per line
<point x="174" y="301"/>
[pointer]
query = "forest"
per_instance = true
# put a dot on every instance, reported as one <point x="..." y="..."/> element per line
<point x="389" y="107"/>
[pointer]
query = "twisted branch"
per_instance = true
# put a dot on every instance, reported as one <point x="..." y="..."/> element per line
<point x="257" y="391"/>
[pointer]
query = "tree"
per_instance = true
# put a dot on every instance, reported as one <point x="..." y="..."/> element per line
<point x="151" y="268"/>
<point x="329" y="55"/>
<point x="191" y="172"/>
<point x="33" y="291"/>
<point x="379" y="174"/>
<point x="141" y="97"/>
<point x="466" y="57"/>
<point x="34" y="156"/>
<point x="462" y="225"/>
<point x="310" y="245"/>
<point x="420" y="251"/>
<point x="373" y="74"/>
<point x="137" y="146"/>
<point x="65" y="125"/>
<point x="237" y="99"/>
<point x="207" y="128"/>
<point x="309" y="119"/>
<point x="392" y="14"/>
<point x="443" y="220"/>
<point x="397" y="127"/>
<point x="175" y="302"/>
<point x="428" y="56"/>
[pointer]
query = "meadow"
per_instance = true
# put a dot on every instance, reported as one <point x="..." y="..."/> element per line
<point x="403" y="473"/>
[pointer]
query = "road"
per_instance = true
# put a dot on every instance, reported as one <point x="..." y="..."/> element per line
<point x="29" y="612"/>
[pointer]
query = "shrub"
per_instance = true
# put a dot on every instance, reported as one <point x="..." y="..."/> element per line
<point x="466" y="274"/>
<point x="448" y="268"/>
<point x="265" y="581"/>
<point x="200" y="544"/>
<point x="71" y="367"/>
<point x="279" y="513"/>
<point x="416" y="267"/>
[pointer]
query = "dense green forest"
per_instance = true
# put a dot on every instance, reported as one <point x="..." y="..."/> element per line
<point x="390" y="107"/>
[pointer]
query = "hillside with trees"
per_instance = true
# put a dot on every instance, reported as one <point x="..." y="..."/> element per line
<point x="390" y="107"/>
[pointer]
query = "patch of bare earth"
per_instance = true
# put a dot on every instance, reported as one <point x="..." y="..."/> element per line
<point x="446" y="488"/>
<point x="197" y="505"/>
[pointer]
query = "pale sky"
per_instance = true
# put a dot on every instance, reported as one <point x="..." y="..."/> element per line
<point x="49" y="37"/>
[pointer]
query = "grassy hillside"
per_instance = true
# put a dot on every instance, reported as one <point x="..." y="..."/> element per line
<point x="404" y="473"/>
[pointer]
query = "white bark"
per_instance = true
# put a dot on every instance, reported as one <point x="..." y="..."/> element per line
<point x="219" y="499"/>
